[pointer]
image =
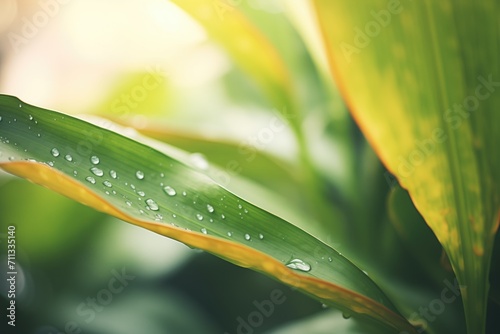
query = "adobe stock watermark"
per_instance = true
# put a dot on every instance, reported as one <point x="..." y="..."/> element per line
<point x="455" y="117"/>
<point x="88" y="309"/>
<point x="263" y="310"/>
<point x="364" y="35"/>
<point x="436" y="307"/>
<point x="254" y="143"/>
<point x="31" y="26"/>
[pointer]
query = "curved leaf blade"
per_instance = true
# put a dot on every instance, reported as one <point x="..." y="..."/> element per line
<point x="421" y="78"/>
<point x="127" y="179"/>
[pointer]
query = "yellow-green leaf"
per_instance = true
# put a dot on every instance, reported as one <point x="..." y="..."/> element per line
<point x="249" y="48"/>
<point x="422" y="79"/>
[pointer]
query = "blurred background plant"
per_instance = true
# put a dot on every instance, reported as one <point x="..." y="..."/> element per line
<point x="150" y="66"/>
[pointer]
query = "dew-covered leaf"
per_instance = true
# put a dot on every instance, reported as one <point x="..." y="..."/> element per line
<point x="143" y="186"/>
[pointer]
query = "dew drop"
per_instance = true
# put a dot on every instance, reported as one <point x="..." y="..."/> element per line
<point x="141" y="193"/>
<point x="330" y="259"/>
<point x="261" y="236"/>
<point x="30" y="117"/>
<point x="298" y="264"/>
<point x="169" y="191"/>
<point x="51" y="163"/>
<point x="204" y="230"/>
<point x="210" y="208"/>
<point x="162" y="175"/>
<point x="346" y="315"/>
<point x="184" y="193"/>
<point x="112" y="173"/>
<point x="94" y="160"/>
<point x="199" y="216"/>
<point x="90" y="179"/>
<point x="128" y="203"/>
<point x="107" y="184"/>
<point x="0" y="118"/>
<point x="199" y="161"/>
<point x="248" y="237"/>
<point x="222" y="216"/>
<point x="245" y="210"/>
<point x="174" y="215"/>
<point x="229" y="234"/>
<point x="96" y="171"/>
<point x="68" y="157"/>
<point x="240" y="206"/>
<point x="55" y="152"/>
<point x="158" y="217"/>
<point x="152" y="204"/>
<point x="139" y="174"/>
<point x="324" y="306"/>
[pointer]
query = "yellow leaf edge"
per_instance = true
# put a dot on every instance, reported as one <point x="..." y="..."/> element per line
<point x="238" y="254"/>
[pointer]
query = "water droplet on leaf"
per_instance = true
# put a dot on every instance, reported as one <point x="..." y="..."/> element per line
<point x="199" y="216"/>
<point x="139" y="174"/>
<point x="204" y="230"/>
<point x="112" y="173"/>
<point x="298" y="264"/>
<point x="55" y="152"/>
<point x="94" y="160"/>
<point x="90" y="179"/>
<point x="248" y="237"/>
<point x="169" y="191"/>
<point x="96" y="171"/>
<point x="68" y="157"/>
<point x="210" y="208"/>
<point x="152" y="204"/>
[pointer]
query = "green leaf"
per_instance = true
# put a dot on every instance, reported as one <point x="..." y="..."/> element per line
<point x="136" y="183"/>
<point x="421" y="78"/>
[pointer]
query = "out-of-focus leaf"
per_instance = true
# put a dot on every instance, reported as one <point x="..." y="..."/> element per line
<point x="138" y="184"/>
<point x="250" y="49"/>
<point x="43" y="242"/>
<point x="427" y="100"/>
